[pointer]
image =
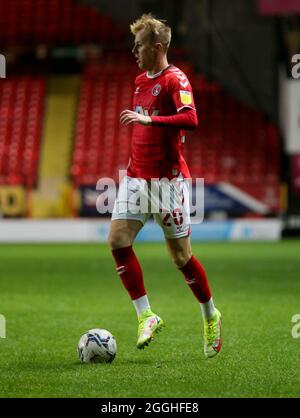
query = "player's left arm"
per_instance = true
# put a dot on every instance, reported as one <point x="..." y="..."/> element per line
<point x="185" y="119"/>
<point x="181" y="94"/>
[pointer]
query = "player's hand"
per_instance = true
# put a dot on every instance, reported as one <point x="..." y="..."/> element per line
<point x="128" y="116"/>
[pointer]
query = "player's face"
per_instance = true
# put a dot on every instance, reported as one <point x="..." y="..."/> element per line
<point x="144" y="51"/>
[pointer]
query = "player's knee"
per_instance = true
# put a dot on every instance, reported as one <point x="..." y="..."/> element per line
<point x="180" y="258"/>
<point x="119" y="239"/>
<point x="114" y="240"/>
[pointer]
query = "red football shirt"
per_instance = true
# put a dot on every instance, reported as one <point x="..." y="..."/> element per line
<point x="156" y="151"/>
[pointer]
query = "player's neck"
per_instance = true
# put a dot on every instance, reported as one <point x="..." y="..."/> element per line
<point x="158" y="67"/>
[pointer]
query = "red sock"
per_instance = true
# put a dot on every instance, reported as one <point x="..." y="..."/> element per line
<point x="195" y="277"/>
<point x="129" y="269"/>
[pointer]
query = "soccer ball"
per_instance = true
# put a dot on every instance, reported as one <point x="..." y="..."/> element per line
<point x="97" y="346"/>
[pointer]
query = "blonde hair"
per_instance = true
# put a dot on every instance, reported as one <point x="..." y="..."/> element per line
<point x="157" y="29"/>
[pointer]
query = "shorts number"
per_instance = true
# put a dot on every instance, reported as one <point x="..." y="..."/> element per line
<point x="177" y="218"/>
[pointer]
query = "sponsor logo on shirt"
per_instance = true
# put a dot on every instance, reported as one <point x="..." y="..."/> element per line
<point x="156" y="89"/>
<point x="186" y="97"/>
<point x="146" y="112"/>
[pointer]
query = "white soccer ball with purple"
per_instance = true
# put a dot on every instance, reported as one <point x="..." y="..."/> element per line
<point x="97" y="346"/>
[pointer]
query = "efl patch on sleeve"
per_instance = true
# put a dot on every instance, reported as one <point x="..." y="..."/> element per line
<point x="186" y="97"/>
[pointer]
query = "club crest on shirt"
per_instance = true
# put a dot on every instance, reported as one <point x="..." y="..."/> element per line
<point x="156" y="89"/>
<point x="186" y="97"/>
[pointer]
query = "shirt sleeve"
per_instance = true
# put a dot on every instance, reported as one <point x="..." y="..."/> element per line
<point x="181" y="91"/>
<point x="187" y="119"/>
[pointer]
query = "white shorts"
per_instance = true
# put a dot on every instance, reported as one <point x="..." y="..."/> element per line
<point x="168" y="202"/>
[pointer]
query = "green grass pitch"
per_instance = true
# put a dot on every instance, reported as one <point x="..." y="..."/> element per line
<point x="51" y="294"/>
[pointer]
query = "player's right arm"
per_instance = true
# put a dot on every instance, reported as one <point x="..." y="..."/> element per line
<point x="129" y="116"/>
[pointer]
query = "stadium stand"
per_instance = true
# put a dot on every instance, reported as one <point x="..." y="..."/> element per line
<point x="234" y="142"/>
<point x="102" y="145"/>
<point x="54" y="21"/>
<point x="51" y="196"/>
<point x="21" y="117"/>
